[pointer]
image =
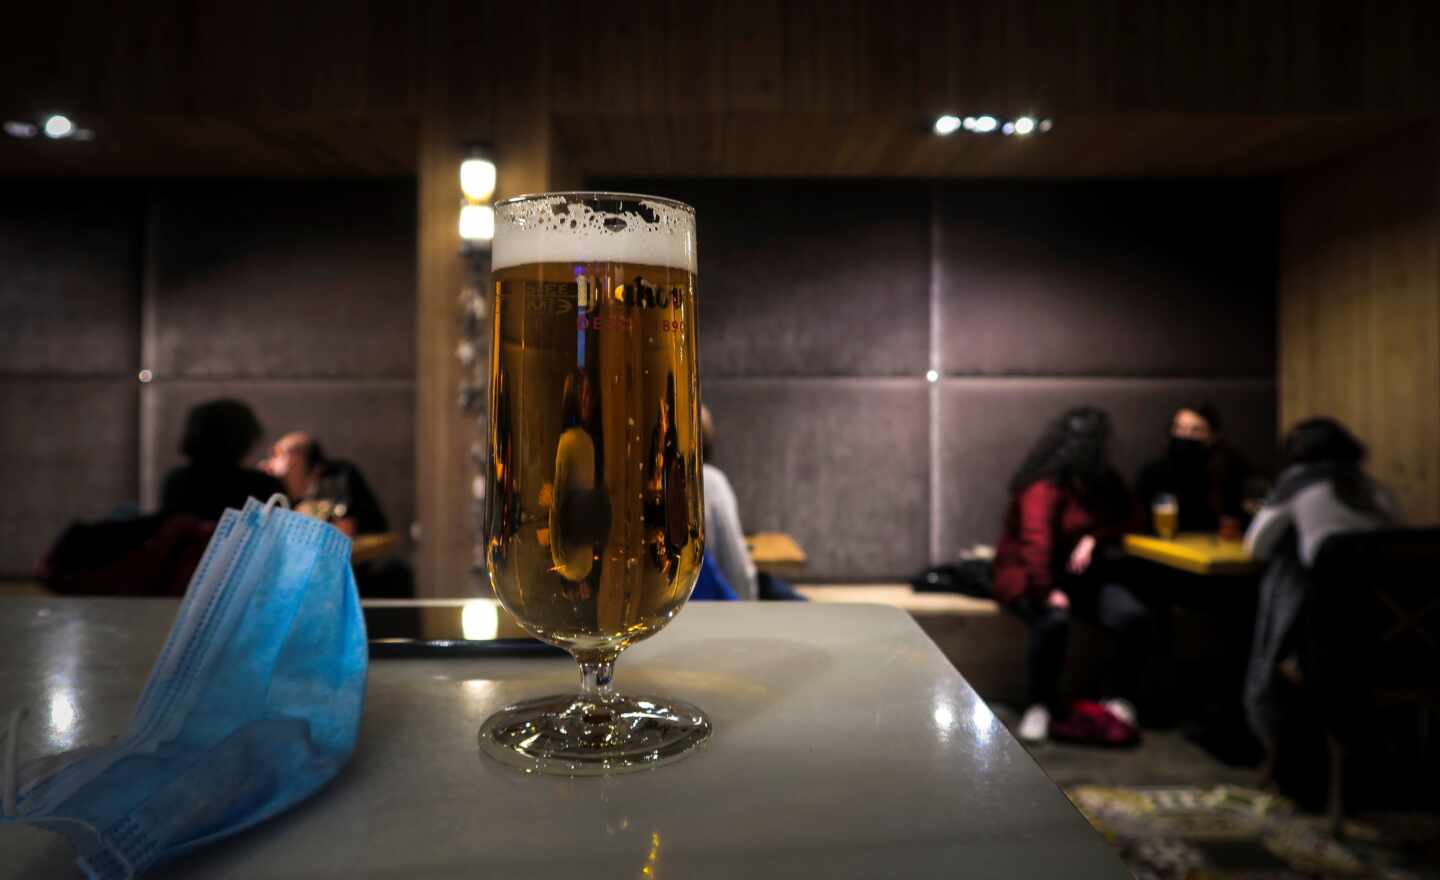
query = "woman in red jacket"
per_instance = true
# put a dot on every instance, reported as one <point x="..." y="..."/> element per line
<point x="1056" y="558"/>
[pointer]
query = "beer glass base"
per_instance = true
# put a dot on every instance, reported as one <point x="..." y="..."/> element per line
<point x="571" y="735"/>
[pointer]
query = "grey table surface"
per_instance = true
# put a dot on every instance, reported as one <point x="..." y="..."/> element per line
<point x="845" y="746"/>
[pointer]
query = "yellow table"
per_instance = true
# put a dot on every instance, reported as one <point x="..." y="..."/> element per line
<point x="777" y="553"/>
<point x="364" y="548"/>
<point x="1195" y="552"/>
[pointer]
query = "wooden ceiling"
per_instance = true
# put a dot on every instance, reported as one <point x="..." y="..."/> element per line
<point x="703" y="56"/>
<point x="716" y="87"/>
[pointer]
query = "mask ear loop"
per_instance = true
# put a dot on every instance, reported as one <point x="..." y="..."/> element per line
<point x="9" y="777"/>
<point x="277" y="498"/>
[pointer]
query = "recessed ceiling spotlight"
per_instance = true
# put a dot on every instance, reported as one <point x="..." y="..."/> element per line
<point x="58" y="126"/>
<point x="947" y="124"/>
<point x="987" y="124"/>
<point x="17" y="129"/>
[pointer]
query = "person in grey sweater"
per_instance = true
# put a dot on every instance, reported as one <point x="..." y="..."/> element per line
<point x="1323" y="491"/>
<point x="724" y="538"/>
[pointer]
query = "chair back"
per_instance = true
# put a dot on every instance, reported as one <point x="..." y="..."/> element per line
<point x="1373" y="623"/>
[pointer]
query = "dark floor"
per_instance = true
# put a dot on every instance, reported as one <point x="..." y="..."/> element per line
<point x="1164" y="757"/>
<point x="1390" y="844"/>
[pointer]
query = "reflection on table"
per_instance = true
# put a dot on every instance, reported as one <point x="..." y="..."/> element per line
<point x="1204" y="553"/>
<point x="440" y="619"/>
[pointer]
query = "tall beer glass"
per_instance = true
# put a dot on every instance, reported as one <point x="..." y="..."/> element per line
<point x="594" y="516"/>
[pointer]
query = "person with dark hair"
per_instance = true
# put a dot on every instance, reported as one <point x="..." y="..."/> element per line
<point x="333" y="489"/>
<point x="1322" y="491"/>
<point x="219" y="434"/>
<point x="1204" y="475"/>
<point x="1057" y="557"/>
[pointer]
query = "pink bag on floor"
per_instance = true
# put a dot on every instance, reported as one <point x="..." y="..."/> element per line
<point x="1087" y="722"/>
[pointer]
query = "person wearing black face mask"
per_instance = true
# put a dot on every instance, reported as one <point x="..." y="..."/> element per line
<point x="1204" y="475"/>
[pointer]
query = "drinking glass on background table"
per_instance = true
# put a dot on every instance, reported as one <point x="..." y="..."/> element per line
<point x="1165" y="513"/>
<point x="322" y="509"/>
<point x="1231" y="529"/>
<point x="594" y="528"/>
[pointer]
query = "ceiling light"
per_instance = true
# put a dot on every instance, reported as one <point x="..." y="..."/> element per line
<point x="477" y="223"/>
<point x="987" y="124"/>
<point x="932" y="376"/>
<point x="58" y="126"/>
<point x="17" y="129"/>
<point x="947" y="124"/>
<point x="477" y="179"/>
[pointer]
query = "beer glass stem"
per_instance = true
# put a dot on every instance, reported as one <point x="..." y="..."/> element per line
<point x="596" y="679"/>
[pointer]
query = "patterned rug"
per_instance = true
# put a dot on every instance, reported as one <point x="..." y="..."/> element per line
<point x="1246" y="834"/>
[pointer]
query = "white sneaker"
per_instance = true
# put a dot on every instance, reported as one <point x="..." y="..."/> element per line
<point x="1122" y="709"/>
<point x="1034" y="724"/>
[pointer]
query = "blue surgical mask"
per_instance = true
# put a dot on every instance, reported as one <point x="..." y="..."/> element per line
<point x="253" y="706"/>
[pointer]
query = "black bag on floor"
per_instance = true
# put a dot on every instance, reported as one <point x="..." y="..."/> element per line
<point x="972" y="577"/>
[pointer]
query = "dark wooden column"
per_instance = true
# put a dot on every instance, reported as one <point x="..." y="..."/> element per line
<point x="463" y="106"/>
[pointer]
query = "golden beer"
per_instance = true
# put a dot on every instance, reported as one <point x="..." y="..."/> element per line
<point x="1165" y="512"/>
<point x="595" y="532"/>
<point x="594" y="519"/>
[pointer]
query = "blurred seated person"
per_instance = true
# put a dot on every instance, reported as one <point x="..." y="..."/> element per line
<point x="1057" y="557"/>
<point x="1322" y="491"/>
<point x="326" y="488"/>
<point x="1204" y="475"/>
<point x="724" y="537"/>
<point x="710" y="584"/>
<point x="219" y="434"/>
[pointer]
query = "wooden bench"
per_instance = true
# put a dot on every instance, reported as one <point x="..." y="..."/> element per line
<point x="984" y="643"/>
<point x="987" y="645"/>
<point x="904" y="597"/>
<point x="977" y="636"/>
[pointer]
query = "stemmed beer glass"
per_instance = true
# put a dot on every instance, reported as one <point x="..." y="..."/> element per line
<point x="594" y="527"/>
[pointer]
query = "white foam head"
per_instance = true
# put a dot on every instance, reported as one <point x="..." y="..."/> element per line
<point x="593" y="228"/>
